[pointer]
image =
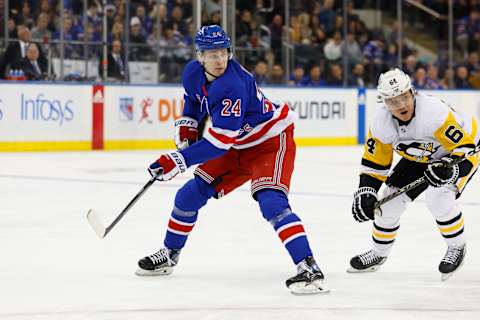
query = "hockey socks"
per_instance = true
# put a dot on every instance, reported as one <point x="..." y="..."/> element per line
<point x="292" y="234"/>
<point x="188" y="200"/>
<point x="275" y="208"/>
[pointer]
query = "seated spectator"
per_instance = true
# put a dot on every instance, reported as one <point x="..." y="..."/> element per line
<point x="30" y="65"/>
<point x="298" y="77"/>
<point x="70" y="50"/>
<point x="115" y="63"/>
<point x="327" y="16"/>
<point x="16" y="51"/>
<point x="276" y="76"/>
<point x="159" y="12"/>
<point x="93" y="10"/>
<point x="139" y="51"/>
<point x="315" y="79"/>
<point x="211" y="6"/>
<point x="356" y="77"/>
<point x="145" y="20"/>
<point x="276" y="34"/>
<point x="410" y="65"/>
<point x="26" y="14"/>
<point x="92" y="50"/>
<point x="473" y="64"/>
<point x="335" y="76"/>
<point x="333" y="48"/>
<point x="40" y="31"/>
<point x="420" y="78"/>
<point x="448" y="77"/>
<point x="461" y="78"/>
<point x="260" y="73"/>
<point x="433" y="83"/>
<point x="177" y="20"/>
<point x="352" y="50"/>
<point x="244" y="29"/>
<point x="391" y="55"/>
<point x="373" y="53"/>
<point x="12" y="28"/>
<point x="116" y="33"/>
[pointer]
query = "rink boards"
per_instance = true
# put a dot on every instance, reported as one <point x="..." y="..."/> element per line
<point x="54" y="117"/>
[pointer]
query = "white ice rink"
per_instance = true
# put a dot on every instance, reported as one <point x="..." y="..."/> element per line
<point x="53" y="266"/>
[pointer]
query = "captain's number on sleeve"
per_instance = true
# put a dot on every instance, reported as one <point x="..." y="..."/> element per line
<point x="453" y="134"/>
<point x="230" y="107"/>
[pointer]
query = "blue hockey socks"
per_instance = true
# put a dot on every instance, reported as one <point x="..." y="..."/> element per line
<point x="189" y="199"/>
<point x="276" y="210"/>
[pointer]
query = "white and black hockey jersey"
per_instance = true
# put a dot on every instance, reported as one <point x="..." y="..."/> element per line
<point x="436" y="130"/>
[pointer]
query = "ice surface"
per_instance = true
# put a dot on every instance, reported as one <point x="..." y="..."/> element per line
<point x="53" y="266"/>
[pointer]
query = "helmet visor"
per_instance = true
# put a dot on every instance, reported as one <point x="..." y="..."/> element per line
<point x="399" y="102"/>
<point x="215" y="55"/>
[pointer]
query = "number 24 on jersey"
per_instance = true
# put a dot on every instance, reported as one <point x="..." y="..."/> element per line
<point x="230" y="107"/>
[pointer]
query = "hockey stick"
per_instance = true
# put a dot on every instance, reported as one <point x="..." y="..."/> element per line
<point x="95" y="221"/>
<point x="422" y="180"/>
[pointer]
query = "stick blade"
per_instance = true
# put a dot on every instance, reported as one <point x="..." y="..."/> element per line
<point x="96" y="223"/>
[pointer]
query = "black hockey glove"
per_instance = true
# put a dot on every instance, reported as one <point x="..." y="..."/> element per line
<point x="363" y="206"/>
<point x="440" y="173"/>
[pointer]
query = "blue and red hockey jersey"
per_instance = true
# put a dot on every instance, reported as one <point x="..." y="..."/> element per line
<point x="241" y="116"/>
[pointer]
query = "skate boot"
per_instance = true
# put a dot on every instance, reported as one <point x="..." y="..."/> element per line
<point x="366" y="262"/>
<point x="452" y="261"/>
<point x="309" y="278"/>
<point x="159" y="263"/>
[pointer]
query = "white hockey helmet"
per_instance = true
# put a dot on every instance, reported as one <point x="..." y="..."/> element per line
<point x="392" y="84"/>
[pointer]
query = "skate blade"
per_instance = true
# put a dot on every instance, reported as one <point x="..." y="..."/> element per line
<point x="446" y="276"/>
<point x="371" y="269"/>
<point x="151" y="273"/>
<point x="316" y="287"/>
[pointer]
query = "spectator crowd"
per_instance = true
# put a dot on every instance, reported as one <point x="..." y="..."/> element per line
<point x="162" y="31"/>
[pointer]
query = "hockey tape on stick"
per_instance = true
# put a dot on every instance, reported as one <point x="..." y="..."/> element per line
<point x="94" y="218"/>
<point x="420" y="181"/>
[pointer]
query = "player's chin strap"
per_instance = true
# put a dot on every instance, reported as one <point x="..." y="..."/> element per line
<point x="422" y="180"/>
<point x="205" y="70"/>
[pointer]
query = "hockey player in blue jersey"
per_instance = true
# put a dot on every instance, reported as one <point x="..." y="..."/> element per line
<point x="250" y="139"/>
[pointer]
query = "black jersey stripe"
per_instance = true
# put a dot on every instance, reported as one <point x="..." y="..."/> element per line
<point x="374" y="165"/>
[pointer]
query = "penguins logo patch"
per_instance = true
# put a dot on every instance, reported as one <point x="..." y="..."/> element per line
<point x="418" y="151"/>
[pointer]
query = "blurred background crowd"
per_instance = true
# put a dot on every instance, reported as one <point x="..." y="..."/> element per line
<point x="299" y="43"/>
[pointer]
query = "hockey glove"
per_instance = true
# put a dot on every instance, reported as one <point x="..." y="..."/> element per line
<point x="186" y="132"/>
<point x="363" y="206"/>
<point x="168" y="166"/>
<point x="440" y="172"/>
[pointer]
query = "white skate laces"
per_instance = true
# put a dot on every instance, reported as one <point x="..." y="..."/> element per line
<point x="162" y="256"/>
<point x="369" y="257"/>
<point x="452" y="255"/>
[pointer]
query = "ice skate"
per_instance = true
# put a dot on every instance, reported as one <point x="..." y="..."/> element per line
<point x="452" y="261"/>
<point x="309" y="279"/>
<point x="159" y="263"/>
<point x="366" y="262"/>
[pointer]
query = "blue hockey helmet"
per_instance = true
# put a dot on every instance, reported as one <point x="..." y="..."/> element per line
<point x="211" y="38"/>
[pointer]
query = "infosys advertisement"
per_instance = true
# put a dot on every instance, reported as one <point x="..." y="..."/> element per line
<point x="32" y="115"/>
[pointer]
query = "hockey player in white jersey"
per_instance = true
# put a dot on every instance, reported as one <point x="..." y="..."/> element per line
<point x="427" y="133"/>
